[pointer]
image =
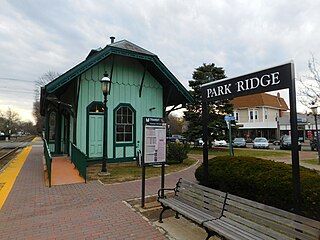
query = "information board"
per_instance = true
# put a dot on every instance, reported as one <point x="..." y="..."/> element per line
<point x="154" y="150"/>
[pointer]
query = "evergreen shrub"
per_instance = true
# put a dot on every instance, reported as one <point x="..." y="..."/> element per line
<point x="264" y="181"/>
<point x="177" y="152"/>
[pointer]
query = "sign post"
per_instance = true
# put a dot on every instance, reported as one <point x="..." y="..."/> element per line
<point x="228" y="121"/>
<point x="271" y="79"/>
<point x="154" y="148"/>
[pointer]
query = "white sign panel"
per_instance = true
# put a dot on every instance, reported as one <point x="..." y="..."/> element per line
<point x="154" y="141"/>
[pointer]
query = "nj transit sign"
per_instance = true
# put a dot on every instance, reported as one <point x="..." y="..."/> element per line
<point x="270" y="79"/>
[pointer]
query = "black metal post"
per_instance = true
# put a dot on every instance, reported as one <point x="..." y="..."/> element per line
<point x="143" y="184"/>
<point x="205" y="141"/>
<point x="230" y="139"/>
<point x="316" y="122"/>
<point x="104" y="160"/>
<point x="162" y="178"/>
<point x="294" y="142"/>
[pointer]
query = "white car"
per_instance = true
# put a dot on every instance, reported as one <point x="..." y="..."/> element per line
<point x="260" y="142"/>
<point x="220" y="143"/>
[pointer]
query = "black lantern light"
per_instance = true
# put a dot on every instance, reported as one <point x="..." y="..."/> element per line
<point x="105" y="84"/>
<point x="105" y="87"/>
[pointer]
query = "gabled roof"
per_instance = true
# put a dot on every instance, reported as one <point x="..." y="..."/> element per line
<point x="124" y="44"/>
<point x="174" y="91"/>
<point x="260" y="100"/>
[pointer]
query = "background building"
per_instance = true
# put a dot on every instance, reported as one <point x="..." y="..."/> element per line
<point x="259" y="115"/>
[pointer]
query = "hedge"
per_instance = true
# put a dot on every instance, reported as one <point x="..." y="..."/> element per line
<point x="177" y="152"/>
<point x="264" y="181"/>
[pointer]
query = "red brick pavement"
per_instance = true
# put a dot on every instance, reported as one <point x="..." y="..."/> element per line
<point x="76" y="211"/>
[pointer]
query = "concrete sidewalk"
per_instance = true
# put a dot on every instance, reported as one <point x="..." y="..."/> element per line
<point x="75" y="211"/>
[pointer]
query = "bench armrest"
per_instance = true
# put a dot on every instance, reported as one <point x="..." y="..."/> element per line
<point x="175" y="189"/>
<point x="165" y="189"/>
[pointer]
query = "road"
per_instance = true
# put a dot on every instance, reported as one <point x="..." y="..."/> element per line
<point x="304" y="146"/>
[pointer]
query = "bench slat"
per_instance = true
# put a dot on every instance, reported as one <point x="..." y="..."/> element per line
<point x="210" y="209"/>
<point x="216" y="196"/>
<point x="277" y="221"/>
<point x="261" y="221"/>
<point x="244" y="223"/>
<point x="197" y="186"/>
<point x="232" y="232"/>
<point x="277" y="211"/>
<point x="200" y="201"/>
<point x="186" y="210"/>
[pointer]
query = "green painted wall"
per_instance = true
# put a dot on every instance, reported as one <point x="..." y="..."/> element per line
<point x="126" y="80"/>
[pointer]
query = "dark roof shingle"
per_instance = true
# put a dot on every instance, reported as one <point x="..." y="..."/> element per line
<point x="260" y="100"/>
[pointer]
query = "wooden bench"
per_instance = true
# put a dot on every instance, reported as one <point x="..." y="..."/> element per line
<point x="193" y="201"/>
<point x="235" y="217"/>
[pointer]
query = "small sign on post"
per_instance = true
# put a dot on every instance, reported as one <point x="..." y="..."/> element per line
<point x="154" y="148"/>
<point x="229" y="118"/>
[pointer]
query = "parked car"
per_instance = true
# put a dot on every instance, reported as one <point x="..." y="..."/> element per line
<point x="239" y="142"/>
<point x="276" y="142"/>
<point x="285" y="142"/>
<point x="260" y="142"/>
<point x="175" y="138"/>
<point x="220" y="143"/>
<point x="313" y="144"/>
<point x="199" y="142"/>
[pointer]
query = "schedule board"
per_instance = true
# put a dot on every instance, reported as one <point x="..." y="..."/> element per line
<point x="154" y="146"/>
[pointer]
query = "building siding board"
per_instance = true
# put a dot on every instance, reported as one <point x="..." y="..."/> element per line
<point x="126" y="80"/>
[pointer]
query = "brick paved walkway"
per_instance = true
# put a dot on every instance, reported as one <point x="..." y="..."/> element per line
<point x="76" y="211"/>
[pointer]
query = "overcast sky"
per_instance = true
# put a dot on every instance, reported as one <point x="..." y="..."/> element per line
<point x="37" y="36"/>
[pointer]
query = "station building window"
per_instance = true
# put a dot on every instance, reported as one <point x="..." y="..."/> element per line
<point x="124" y="124"/>
<point x="96" y="107"/>
<point x="52" y="125"/>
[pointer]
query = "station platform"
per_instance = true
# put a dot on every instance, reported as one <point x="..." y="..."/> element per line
<point x="91" y="210"/>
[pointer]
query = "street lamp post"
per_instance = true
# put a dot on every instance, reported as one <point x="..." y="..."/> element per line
<point x="278" y="128"/>
<point x="314" y="110"/>
<point x="105" y="87"/>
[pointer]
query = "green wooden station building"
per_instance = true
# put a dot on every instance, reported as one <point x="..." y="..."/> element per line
<point x="141" y="86"/>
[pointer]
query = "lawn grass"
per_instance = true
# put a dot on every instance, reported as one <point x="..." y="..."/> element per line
<point x="311" y="161"/>
<point x="244" y="152"/>
<point x="129" y="173"/>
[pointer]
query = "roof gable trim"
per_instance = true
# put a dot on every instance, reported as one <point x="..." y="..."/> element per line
<point x="98" y="57"/>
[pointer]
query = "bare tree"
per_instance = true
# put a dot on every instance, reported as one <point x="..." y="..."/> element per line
<point x="309" y="92"/>
<point x="9" y="121"/>
<point x="41" y="82"/>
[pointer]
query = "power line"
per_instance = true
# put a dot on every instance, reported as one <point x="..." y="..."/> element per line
<point x="16" y="79"/>
<point x="14" y="91"/>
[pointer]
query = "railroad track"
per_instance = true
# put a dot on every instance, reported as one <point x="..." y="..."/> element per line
<point x="6" y="154"/>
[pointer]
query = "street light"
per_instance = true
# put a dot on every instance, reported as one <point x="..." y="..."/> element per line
<point x="105" y="87"/>
<point x="314" y="110"/>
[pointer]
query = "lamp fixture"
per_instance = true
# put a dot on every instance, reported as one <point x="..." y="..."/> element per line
<point x="105" y="84"/>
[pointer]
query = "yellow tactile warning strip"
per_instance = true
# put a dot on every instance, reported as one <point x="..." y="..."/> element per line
<point x="36" y="139"/>
<point x="63" y="172"/>
<point x="9" y="175"/>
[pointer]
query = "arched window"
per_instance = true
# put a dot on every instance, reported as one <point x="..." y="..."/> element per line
<point x="96" y="107"/>
<point x="124" y="124"/>
<point x="52" y="125"/>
